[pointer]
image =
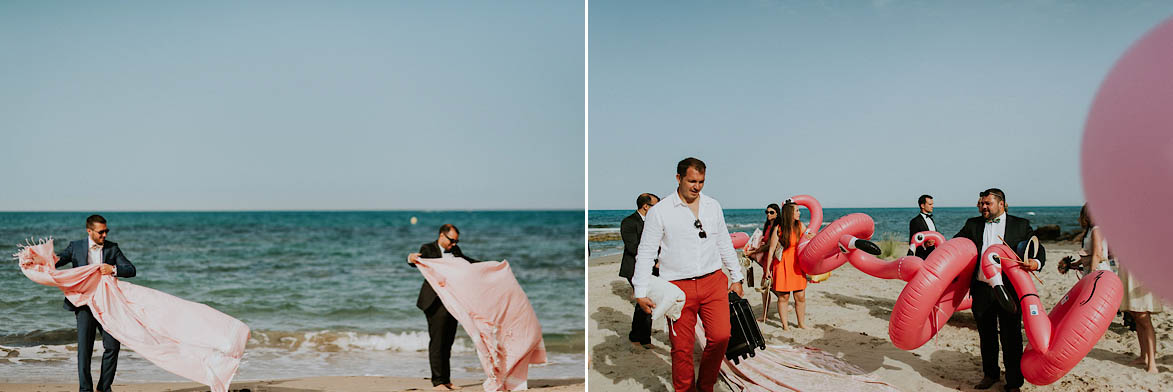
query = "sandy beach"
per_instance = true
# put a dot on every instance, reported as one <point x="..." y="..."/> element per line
<point x="847" y="315"/>
<point x="309" y="384"/>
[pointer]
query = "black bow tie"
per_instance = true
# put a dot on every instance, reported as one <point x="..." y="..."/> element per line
<point x="928" y="215"/>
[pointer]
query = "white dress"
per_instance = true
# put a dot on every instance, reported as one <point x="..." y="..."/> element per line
<point x="1106" y="264"/>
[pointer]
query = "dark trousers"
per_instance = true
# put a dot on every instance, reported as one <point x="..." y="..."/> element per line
<point x="641" y="325"/>
<point x="994" y="326"/>
<point x="441" y="335"/>
<point x="87" y="327"/>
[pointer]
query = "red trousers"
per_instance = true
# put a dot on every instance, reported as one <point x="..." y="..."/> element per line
<point x="707" y="298"/>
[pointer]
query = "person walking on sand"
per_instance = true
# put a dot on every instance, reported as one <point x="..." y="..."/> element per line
<point x="630" y="229"/>
<point x="688" y="232"/>
<point x="787" y="276"/>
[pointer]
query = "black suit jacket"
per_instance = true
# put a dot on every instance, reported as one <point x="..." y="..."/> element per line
<point x="1017" y="230"/>
<point x="78" y="254"/>
<point x="631" y="229"/>
<point x="432" y="250"/>
<point x="917" y="225"/>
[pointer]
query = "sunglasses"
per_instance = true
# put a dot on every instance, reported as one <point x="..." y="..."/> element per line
<point x="103" y="231"/>
<point x="451" y="240"/>
<point x="770" y="212"/>
<point x="701" y="228"/>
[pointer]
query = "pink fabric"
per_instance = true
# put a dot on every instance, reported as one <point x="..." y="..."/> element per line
<point x="785" y="368"/>
<point x="487" y="301"/>
<point x="183" y="337"/>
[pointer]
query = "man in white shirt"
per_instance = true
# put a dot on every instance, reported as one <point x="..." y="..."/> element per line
<point x="688" y="229"/>
<point x="922" y="222"/>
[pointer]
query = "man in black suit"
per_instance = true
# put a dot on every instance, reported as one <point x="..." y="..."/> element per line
<point x="441" y="324"/>
<point x="95" y="250"/>
<point x="922" y="222"/>
<point x="631" y="229"/>
<point x="992" y="320"/>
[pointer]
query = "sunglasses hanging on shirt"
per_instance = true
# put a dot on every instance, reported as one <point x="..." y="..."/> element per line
<point x="701" y="228"/>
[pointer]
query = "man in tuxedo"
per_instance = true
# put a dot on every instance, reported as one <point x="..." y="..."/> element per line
<point x="922" y="222"/>
<point x="95" y="250"/>
<point x="441" y="324"/>
<point x="631" y="229"/>
<point x="992" y="320"/>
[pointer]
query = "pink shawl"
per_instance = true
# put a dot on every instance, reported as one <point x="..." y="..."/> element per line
<point x="495" y="312"/>
<point x="183" y="337"/>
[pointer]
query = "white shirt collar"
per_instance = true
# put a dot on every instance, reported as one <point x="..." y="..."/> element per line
<point x="1000" y="218"/>
<point x="92" y="243"/>
<point x="642" y="216"/>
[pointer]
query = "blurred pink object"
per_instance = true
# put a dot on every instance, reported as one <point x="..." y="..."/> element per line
<point x="1127" y="158"/>
<point x="189" y="339"/>
<point x="491" y="306"/>
<point x="739" y="239"/>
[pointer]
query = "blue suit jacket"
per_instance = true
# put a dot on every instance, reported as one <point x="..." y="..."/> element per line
<point x="78" y="253"/>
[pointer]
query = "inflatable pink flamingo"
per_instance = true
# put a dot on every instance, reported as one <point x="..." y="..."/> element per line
<point x="1058" y="340"/>
<point x="821" y="254"/>
<point x="937" y="287"/>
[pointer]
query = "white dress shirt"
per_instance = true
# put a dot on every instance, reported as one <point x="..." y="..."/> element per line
<point x="95" y="253"/>
<point x="669" y="229"/>
<point x="929" y="221"/>
<point x="992" y="233"/>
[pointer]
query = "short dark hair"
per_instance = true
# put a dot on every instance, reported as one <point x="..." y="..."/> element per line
<point x="94" y="219"/>
<point x="644" y="199"/>
<point x="998" y="194"/>
<point x="921" y="200"/>
<point x="682" y="167"/>
<point x="445" y="228"/>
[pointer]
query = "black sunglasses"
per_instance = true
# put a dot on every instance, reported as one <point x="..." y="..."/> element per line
<point x="770" y="212"/>
<point x="451" y="240"/>
<point x="103" y="231"/>
<point x="701" y="228"/>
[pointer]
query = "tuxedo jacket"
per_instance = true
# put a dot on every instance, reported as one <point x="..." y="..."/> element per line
<point x="1017" y="231"/>
<point x="432" y="250"/>
<point x="631" y="229"/>
<point x="78" y="254"/>
<point x="917" y="225"/>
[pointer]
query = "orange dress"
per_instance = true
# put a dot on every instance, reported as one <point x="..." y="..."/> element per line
<point x="788" y="276"/>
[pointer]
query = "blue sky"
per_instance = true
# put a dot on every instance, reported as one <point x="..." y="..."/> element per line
<point x="861" y="104"/>
<point x="292" y="105"/>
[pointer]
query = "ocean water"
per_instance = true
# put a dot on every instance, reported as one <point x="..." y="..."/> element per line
<point x="890" y="222"/>
<point x="325" y="293"/>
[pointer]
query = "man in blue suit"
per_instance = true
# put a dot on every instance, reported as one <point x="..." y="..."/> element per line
<point x="95" y="250"/>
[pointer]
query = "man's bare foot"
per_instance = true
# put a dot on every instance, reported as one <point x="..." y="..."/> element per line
<point x="649" y="346"/>
<point x="1138" y="361"/>
<point x="1152" y="368"/>
<point x="446" y="387"/>
<point x="801" y="326"/>
<point x="761" y="319"/>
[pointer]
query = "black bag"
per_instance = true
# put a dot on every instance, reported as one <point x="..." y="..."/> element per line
<point x="744" y="336"/>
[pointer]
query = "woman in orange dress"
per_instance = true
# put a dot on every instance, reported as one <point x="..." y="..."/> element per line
<point x="788" y="276"/>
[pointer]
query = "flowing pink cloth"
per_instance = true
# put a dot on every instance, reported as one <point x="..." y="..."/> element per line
<point x="487" y="301"/>
<point x="189" y="339"/>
